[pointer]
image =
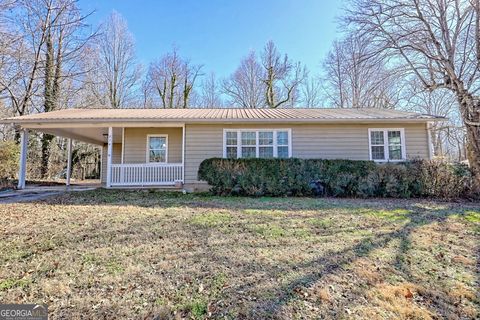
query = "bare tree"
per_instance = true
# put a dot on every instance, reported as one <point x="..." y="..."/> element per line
<point x="45" y="38"/>
<point x="164" y="76"/>
<point x="244" y="87"/>
<point x="272" y="82"/>
<point x="281" y="76"/>
<point x="356" y="75"/>
<point x="147" y="93"/>
<point x="173" y="78"/>
<point x="436" y="41"/>
<point x="5" y="130"/>
<point x="94" y="91"/>
<point x="119" y="71"/>
<point x="190" y="73"/>
<point x="311" y="92"/>
<point x="7" y="43"/>
<point x="447" y="137"/>
<point x="22" y="44"/>
<point x="336" y="83"/>
<point x="64" y="41"/>
<point x="210" y="92"/>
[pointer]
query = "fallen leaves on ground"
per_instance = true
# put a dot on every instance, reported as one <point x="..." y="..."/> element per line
<point x="159" y="255"/>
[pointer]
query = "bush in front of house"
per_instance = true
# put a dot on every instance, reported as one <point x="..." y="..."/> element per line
<point x="9" y="155"/>
<point x="341" y="178"/>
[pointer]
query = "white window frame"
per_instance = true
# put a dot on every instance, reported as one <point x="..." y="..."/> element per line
<point x="257" y="145"/>
<point x="385" y="144"/>
<point x="148" y="147"/>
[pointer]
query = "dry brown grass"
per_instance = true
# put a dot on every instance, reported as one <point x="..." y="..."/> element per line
<point x="368" y="271"/>
<point x="118" y="254"/>
<point x="386" y="301"/>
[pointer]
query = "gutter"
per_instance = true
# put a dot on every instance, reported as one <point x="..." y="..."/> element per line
<point x="104" y="122"/>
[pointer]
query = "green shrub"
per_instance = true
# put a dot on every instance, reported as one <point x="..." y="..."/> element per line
<point x="299" y="177"/>
<point x="9" y="155"/>
<point x="441" y="179"/>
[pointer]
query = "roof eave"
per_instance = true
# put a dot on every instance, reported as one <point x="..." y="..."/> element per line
<point x="103" y="121"/>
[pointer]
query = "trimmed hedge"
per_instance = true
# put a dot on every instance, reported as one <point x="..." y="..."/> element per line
<point x="341" y="178"/>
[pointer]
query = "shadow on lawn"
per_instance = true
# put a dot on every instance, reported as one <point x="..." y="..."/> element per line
<point x="314" y="271"/>
<point x="168" y="199"/>
<point x="331" y="263"/>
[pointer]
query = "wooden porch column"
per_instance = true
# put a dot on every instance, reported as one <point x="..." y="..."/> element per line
<point x="109" y="157"/>
<point x="69" y="161"/>
<point x="22" y="172"/>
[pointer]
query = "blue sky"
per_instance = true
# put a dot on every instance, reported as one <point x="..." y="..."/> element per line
<point x="218" y="33"/>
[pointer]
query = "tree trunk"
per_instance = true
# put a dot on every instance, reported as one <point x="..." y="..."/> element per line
<point x="470" y="110"/>
<point x="46" y="141"/>
<point x="473" y="148"/>
<point x="16" y="137"/>
<point x="172" y="90"/>
<point x="48" y="102"/>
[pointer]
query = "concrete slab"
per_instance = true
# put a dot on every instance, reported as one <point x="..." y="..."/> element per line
<point x="36" y="192"/>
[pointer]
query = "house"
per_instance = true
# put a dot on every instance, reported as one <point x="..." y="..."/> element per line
<point x="164" y="147"/>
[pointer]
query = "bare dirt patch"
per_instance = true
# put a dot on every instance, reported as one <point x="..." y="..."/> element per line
<point x="120" y="254"/>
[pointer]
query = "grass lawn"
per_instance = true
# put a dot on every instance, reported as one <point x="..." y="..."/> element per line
<point x="119" y="254"/>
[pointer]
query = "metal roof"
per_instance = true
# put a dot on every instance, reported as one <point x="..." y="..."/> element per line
<point x="220" y="115"/>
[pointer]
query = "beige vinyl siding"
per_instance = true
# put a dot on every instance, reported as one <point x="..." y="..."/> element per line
<point x="322" y="141"/>
<point x="201" y="142"/>
<point x="116" y="158"/>
<point x="136" y="144"/>
<point x="329" y="142"/>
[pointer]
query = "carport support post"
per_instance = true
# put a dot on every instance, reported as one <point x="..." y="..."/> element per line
<point x="22" y="172"/>
<point x="69" y="161"/>
<point x="109" y="157"/>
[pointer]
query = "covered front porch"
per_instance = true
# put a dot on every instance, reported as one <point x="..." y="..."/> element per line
<point x="140" y="156"/>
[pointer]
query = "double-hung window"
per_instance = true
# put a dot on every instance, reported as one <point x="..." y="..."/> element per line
<point x="231" y="145"/>
<point x="248" y="141"/>
<point x="157" y="148"/>
<point x="265" y="144"/>
<point x="387" y="144"/>
<point x="252" y="143"/>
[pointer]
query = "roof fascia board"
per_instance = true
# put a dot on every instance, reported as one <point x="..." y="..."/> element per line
<point x="90" y="123"/>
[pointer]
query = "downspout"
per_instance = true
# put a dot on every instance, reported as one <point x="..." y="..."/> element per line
<point x="429" y="139"/>
<point x="183" y="154"/>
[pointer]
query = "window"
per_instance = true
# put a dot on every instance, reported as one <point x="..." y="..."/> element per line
<point x="265" y="144"/>
<point x="282" y="144"/>
<point x="249" y="141"/>
<point x="243" y="143"/>
<point x="231" y="145"/>
<point x="157" y="148"/>
<point x="387" y="144"/>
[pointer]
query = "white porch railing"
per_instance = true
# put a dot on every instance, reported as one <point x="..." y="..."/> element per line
<point x="146" y="174"/>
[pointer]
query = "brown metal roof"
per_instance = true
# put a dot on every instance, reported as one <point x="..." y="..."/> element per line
<point x="222" y="115"/>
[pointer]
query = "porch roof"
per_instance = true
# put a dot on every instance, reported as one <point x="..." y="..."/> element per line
<point x="224" y="115"/>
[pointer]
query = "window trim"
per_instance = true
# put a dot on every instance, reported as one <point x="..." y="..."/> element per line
<point x="147" y="153"/>
<point x="386" y="145"/>
<point x="257" y="146"/>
